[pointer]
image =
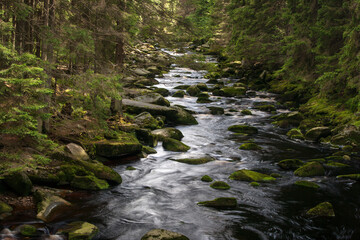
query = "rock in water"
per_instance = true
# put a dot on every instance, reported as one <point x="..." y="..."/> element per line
<point x="168" y="133"/>
<point x="49" y="205"/>
<point x="310" y="169"/>
<point x="174" y="145"/>
<point x="250" y="176"/>
<point x="316" y="133"/>
<point x="221" y="203"/>
<point x="162" y="234"/>
<point x="80" y="230"/>
<point x="243" y="129"/>
<point x="324" y="209"/>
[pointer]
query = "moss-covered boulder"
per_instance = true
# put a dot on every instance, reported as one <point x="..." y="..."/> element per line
<point x="233" y="91"/>
<point x="350" y="135"/>
<point x="216" y="110"/>
<point x="148" y="150"/>
<point x="193" y="90"/>
<point x="126" y="144"/>
<point x="136" y="107"/>
<point x="49" y="205"/>
<point x="89" y="182"/>
<point x="307" y="184"/>
<point x="162" y="234"/>
<point x="310" y="169"/>
<point x="79" y="231"/>
<point x="290" y="164"/>
<point x="203" y="98"/>
<point x="153" y="98"/>
<point x="130" y="168"/>
<point x="250" y="146"/>
<point x="220" y="185"/>
<point x="182" y="87"/>
<point x="324" y="209"/>
<point x="206" y="178"/>
<point x="355" y="177"/>
<point x="179" y="94"/>
<point x="27" y="230"/>
<point x="266" y="108"/>
<point x="76" y="151"/>
<point x="168" y="133"/>
<point x="202" y="86"/>
<point x="5" y="210"/>
<point x="182" y="117"/>
<point x="254" y="184"/>
<point x="162" y="91"/>
<point x="243" y="129"/>
<point x="246" y="112"/>
<point x="250" y="176"/>
<point x="146" y="120"/>
<point x="195" y="161"/>
<point x="285" y="120"/>
<point x="19" y="182"/>
<point x="146" y="137"/>
<point x="220" y="203"/>
<point x="174" y="145"/>
<point x="333" y="164"/>
<point x="101" y="171"/>
<point x="295" y="134"/>
<point x="315" y="134"/>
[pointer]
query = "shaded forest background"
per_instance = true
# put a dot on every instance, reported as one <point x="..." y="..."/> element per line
<point x="308" y="51"/>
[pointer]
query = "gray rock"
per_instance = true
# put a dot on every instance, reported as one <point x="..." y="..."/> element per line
<point x="77" y="152"/>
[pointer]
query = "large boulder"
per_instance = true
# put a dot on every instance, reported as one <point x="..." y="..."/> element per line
<point x="101" y="171"/>
<point x="350" y="135"/>
<point x="202" y="86"/>
<point x="315" y="134"/>
<point x="220" y="203"/>
<point x="179" y="94"/>
<point x="19" y="182"/>
<point x="79" y="231"/>
<point x="324" y="209"/>
<point x="295" y="134"/>
<point x="250" y="176"/>
<point x="310" y="169"/>
<point x="142" y="72"/>
<point x="89" y="182"/>
<point x="147" y="137"/>
<point x="168" y="133"/>
<point x="193" y="90"/>
<point x="163" y="91"/>
<point x="49" y="205"/>
<point x="243" y="129"/>
<point x="183" y="117"/>
<point x="233" y="91"/>
<point x="146" y="120"/>
<point x="288" y="119"/>
<point x="76" y="151"/>
<point x="161" y="234"/>
<point x="153" y="98"/>
<point x="174" y="145"/>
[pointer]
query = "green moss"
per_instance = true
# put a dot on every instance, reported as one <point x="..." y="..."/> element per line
<point x="220" y="185"/>
<point x="350" y="176"/>
<point x="193" y="90"/>
<point x="4" y="208"/>
<point x="275" y="175"/>
<point x="206" y="178"/>
<point x="203" y="100"/>
<point x="307" y="184"/>
<point x="148" y="150"/>
<point x="290" y="164"/>
<point x="295" y="134"/>
<point x="246" y="112"/>
<point x="216" y="110"/>
<point x="324" y="209"/>
<point x="80" y="231"/>
<point x="336" y="164"/>
<point x="27" y="230"/>
<point x="89" y="183"/>
<point x="250" y="146"/>
<point x="243" y="129"/>
<point x="174" y="145"/>
<point x="182" y="87"/>
<point x="19" y="182"/>
<point x="266" y="108"/>
<point x="254" y="184"/>
<point x="179" y="94"/>
<point x="233" y="91"/>
<point x="202" y="86"/>
<point x="221" y="203"/>
<point x="320" y="160"/>
<point x="195" y="161"/>
<point x="310" y="169"/>
<point x="130" y="168"/>
<point x="250" y="176"/>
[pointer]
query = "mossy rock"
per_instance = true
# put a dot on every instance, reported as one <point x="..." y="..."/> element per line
<point x="127" y="144"/>
<point x="320" y="160"/>
<point x="5" y="210"/>
<point x="148" y="150"/>
<point x="216" y="110"/>
<point x="193" y="90"/>
<point x="146" y="137"/>
<point x="162" y="91"/>
<point x="202" y="86"/>
<point x="275" y="175"/>
<point x="19" y="182"/>
<point x="355" y="177"/>
<point x="168" y="133"/>
<point x="315" y="134"/>
<point x="130" y="168"/>
<point x="310" y="169"/>
<point x="220" y="185"/>
<point x="334" y="158"/>
<point x="179" y="94"/>
<point x="233" y="91"/>
<point x="153" y="98"/>
<point x="243" y="129"/>
<point x="250" y="176"/>
<point x="307" y="184"/>
<point x="246" y="112"/>
<point x="266" y="108"/>
<point x="162" y="234"/>
<point x="206" y="178"/>
<point x="79" y="231"/>
<point x="182" y="87"/>
<point x="250" y="146"/>
<point x="195" y="161"/>
<point x="27" y="230"/>
<point x="174" y="145"/>
<point x="89" y="183"/>
<point x="101" y="171"/>
<point x="336" y="164"/>
<point x="203" y="100"/>
<point x="254" y="184"/>
<point x="146" y="120"/>
<point x="285" y="120"/>
<point x="324" y="209"/>
<point x="290" y="164"/>
<point x="221" y="203"/>
<point x="182" y="117"/>
<point x="295" y="134"/>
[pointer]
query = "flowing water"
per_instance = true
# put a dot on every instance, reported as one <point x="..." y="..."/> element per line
<point x="163" y="193"/>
